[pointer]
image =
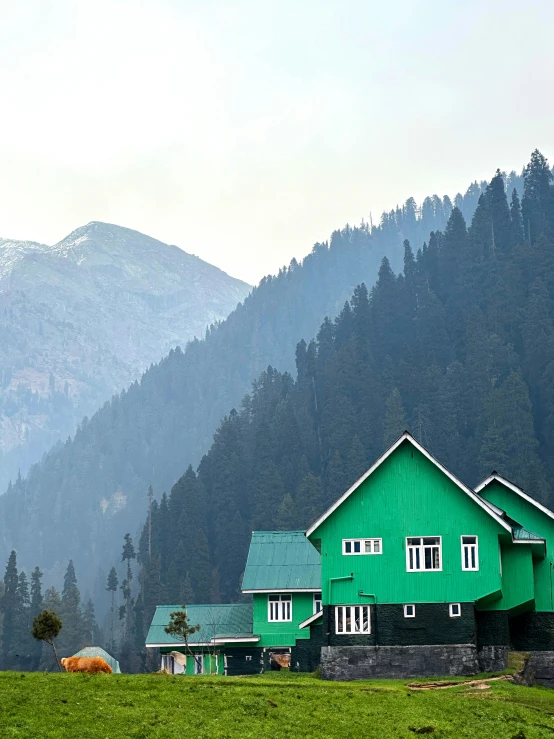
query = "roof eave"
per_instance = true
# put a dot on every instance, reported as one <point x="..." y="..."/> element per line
<point x="282" y="590"/>
<point x="310" y="620"/>
<point x="406" y="436"/>
<point x="495" y="476"/>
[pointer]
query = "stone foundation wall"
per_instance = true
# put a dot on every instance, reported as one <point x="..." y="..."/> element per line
<point x="540" y="669"/>
<point x="492" y="659"/>
<point x="369" y="662"/>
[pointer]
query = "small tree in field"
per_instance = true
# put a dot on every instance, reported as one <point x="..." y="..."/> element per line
<point x="46" y="627"/>
<point x="180" y="628"/>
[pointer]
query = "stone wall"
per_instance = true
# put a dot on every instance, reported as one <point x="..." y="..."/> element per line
<point x="492" y="658"/>
<point x="369" y="662"/>
<point x="540" y="669"/>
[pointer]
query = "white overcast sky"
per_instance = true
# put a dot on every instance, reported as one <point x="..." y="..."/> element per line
<point x="245" y="131"/>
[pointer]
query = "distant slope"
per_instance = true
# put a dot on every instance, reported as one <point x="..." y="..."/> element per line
<point x="82" y="319"/>
<point x="88" y="492"/>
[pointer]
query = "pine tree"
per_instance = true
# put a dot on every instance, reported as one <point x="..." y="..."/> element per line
<point x="23" y="638"/>
<point x="537" y="196"/>
<point x="516" y="219"/>
<point x="128" y="554"/>
<point x="112" y="589"/>
<point x="90" y="628"/>
<point x="10" y="610"/>
<point x="395" y="419"/>
<point x="72" y="637"/>
<point x="286" y="514"/>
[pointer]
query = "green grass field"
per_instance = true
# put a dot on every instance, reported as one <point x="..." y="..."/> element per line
<point x="37" y="706"/>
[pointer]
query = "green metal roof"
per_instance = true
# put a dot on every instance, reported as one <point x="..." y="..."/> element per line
<point x="235" y="619"/>
<point x="282" y="560"/>
<point x="99" y="652"/>
<point x="522" y="534"/>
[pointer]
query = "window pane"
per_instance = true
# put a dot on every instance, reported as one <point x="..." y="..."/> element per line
<point x="348" y="547"/>
<point x="466" y="557"/>
<point x="357" y="547"/>
<point x="340" y="620"/>
<point x="417" y="559"/>
<point x="367" y="547"/>
<point x="376" y="546"/>
<point x="469" y="539"/>
<point x="414" y="542"/>
<point x="436" y="558"/>
<point x="431" y="540"/>
<point x="286" y="596"/>
<point x="473" y="565"/>
<point x="273" y="597"/>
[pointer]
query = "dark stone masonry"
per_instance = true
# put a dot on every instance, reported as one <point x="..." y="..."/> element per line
<point x="363" y="663"/>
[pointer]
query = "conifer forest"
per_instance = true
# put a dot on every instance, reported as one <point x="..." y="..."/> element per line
<point x="439" y="320"/>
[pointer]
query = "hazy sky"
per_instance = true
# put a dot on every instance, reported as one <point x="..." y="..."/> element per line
<point x="246" y="131"/>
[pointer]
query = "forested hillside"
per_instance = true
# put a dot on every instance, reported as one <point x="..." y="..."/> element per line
<point x="80" y="500"/>
<point x="459" y="349"/>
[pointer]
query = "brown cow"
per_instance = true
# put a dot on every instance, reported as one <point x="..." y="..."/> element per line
<point x="92" y="665"/>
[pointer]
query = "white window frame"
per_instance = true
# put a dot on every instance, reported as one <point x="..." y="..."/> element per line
<point x="318" y="601"/>
<point x="279" y="607"/>
<point x="451" y="613"/>
<point x="419" y="553"/>
<point x="469" y="548"/>
<point x="367" y="543"/>
<point x="356" y="613"/>
<point x="409" y="615"/>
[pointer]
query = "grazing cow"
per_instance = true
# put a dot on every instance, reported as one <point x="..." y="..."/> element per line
<point x="92" y="665"/>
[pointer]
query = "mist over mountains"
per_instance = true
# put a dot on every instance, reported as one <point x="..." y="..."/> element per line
<point x="80" y="320"/>
<point x="151" y="432"/>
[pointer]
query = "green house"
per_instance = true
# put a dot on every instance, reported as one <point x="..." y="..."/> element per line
<point x="410" y="572"/>
<point x="422" y="575"/>
<point x="283" y="574"/>
<point x="222" y="645"/>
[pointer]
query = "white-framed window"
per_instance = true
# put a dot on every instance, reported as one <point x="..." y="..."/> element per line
<point x="279" y="607"/>
<point x="423" y="553"/>
<point x="470" y="553"/>
<point x="318" y="605"/>
<point x="362" y="546"/>
<point x="409" y="611"/>
<point x="352" y="620"/>
<point x="454" y="610"/>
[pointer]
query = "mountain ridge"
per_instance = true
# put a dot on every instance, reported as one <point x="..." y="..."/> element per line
<point x="83" y="318"/>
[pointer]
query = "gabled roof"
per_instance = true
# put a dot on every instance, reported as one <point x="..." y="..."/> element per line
<point x="407" y="437"/>
<point x="281" y="561"/>
<point x="522" y="494"/>
<point x="231" y="620"/>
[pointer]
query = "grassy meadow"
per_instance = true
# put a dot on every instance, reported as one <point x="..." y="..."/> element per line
<point x="43" y="706"/>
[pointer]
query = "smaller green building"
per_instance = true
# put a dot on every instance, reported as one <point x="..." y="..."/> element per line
<point x="283" y="574"/>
